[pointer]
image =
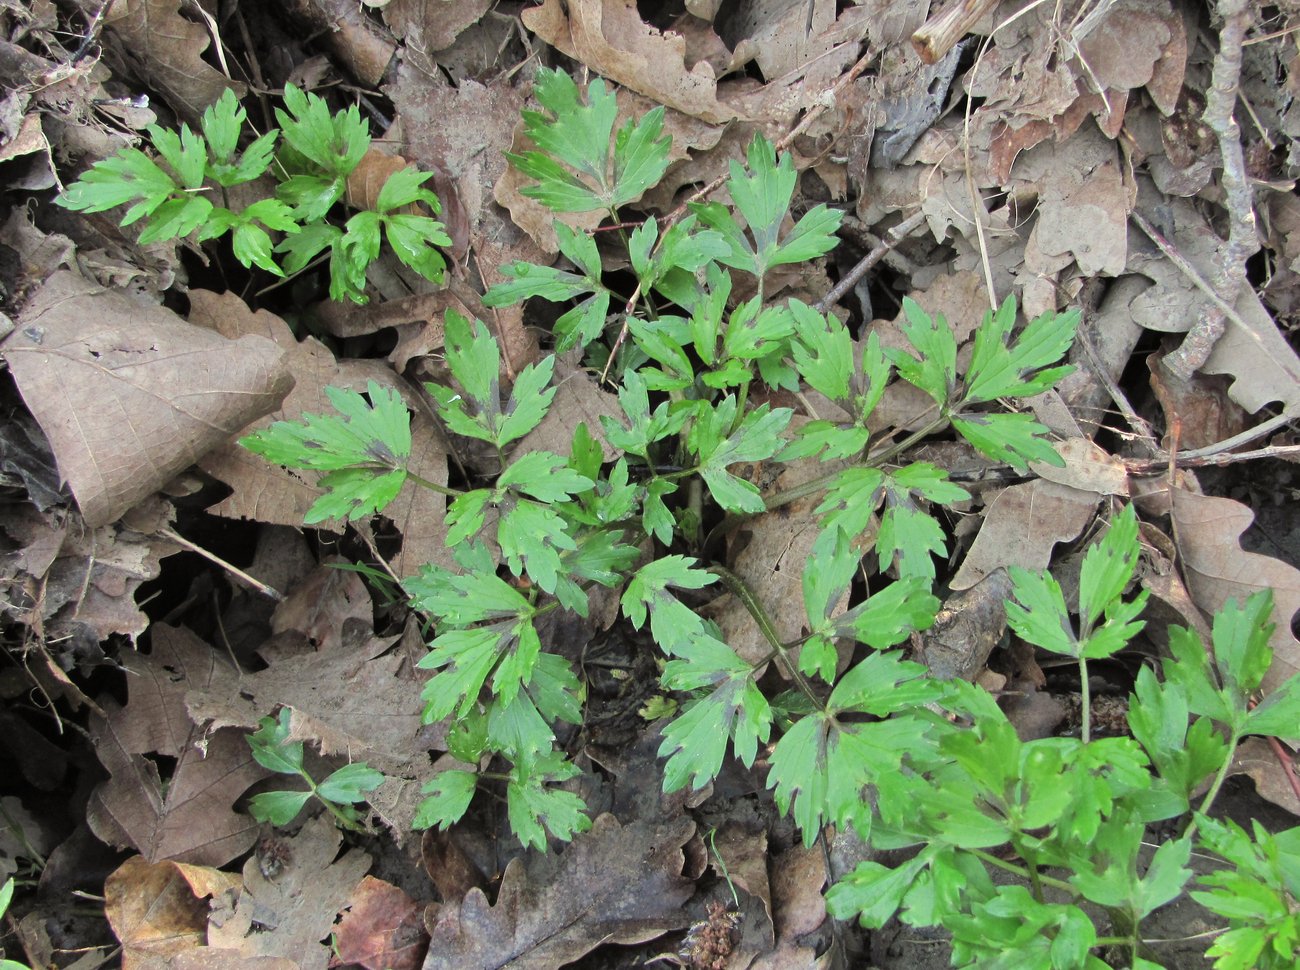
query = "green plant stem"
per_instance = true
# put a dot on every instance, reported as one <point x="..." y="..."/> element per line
<point x="990" y="859"/>
<point x="1219" y="778"/>
<point x="1085" y="699"/>
<point x="740" y="589"/>
<point x="333" y="809"/>
<point x="433" y="486"/>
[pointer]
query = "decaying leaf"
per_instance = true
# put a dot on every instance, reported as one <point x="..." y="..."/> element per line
<point x="614" y="884"/>
<point x="160" y="911"/>
<point x="187" y="817"/>
<point x="382" y="929"/>
<point x="167" y="50"/>
<point x="289" y="910"/>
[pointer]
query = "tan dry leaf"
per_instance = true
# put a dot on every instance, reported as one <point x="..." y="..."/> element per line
<point x="383" y="928"/>
<point x="268" y="493"/>
<point x="610" y="37"/>
<point x="159" y="911"/>
<point x="323" y="604"/>
<point x="1207" y="530"/>
<point x="187" y="817"/>
<point x="428" y="26"/>
<point x="167" y="50"/>
<point x="1255" y="758"/>
<point x="743" y="861"/>
<point x="798" y="907"/>
<point x="1087" y="467"/>
<point x="357" y="697"/>
<point x="1261" y="363"/>
<point x="128" y="394"/>
<point x="368" y="178"/>
<point x="1022" y="526"/>
<point x="619" y="884"/>
<point x="289" y="915"/>
<point x="578" y="399"/>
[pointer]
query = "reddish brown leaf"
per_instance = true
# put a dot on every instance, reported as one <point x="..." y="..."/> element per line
<point x="383" y="928"/>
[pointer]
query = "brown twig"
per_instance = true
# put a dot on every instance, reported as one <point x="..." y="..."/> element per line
<point x="257" y="584"/>
<point x="891" y="239"/>
<point x="1229" y="312"/>
<point x="1243" y="241"/>
<point x="940" y="34"/>
<point x="1139" y="466"/>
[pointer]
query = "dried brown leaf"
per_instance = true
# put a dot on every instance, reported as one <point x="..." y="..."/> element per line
<point x="1207" y="530"/>
<point x="159" y="911"/>
<point x="128" y="394"/>
<point x="610" y="37"/>
<point x="289" y="913"/>
<point x="188" y="816"/>
<point x="616" y="883"/>
<point x="167" y="51"/>
<point x="1022" y="526"/>
<point x="383" y="928"/>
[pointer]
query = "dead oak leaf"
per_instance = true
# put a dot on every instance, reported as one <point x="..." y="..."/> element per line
<point x="187" y="817"/>
<point x="166" y="50"/>
<point x="291" y="914"/>
<point x="128" y="393"/>
<point x="616" y="883"/>
<point x="158" y="911"/>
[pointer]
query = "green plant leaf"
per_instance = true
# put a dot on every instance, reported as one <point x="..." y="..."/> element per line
<point x="335" y="143"/>
<point x="544" y="476"/>
<point x="891" y="615"/>
<point x="935" y="370"/>
<point x="534" y="809"/>
<point x="450" y="793"/>
<point x="580" y="324"/>
<point x="349" y="784"/>
<point x="533" y="538"/>
<point x="851" y="500"/>
<point x="823" y="351"/>
<point x="271" y="746"/>
<point x="462" y="599"/>
<point x="873" y="893"/>
<point x="756" y="437"/>
<point x="1012" y="438"/>
<point x="645" y="427"/>
<point x="577" y="132"/>
<point x="128" y="176"/>
<point x="278" y="807"/>
<point x="998" y="370"/>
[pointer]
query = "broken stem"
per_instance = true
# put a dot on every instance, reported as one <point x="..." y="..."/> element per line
<point x="235" y="571"/>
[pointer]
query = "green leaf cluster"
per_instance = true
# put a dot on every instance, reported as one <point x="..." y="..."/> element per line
<point x="339" y="792"/>
<point x="183" y="190"/>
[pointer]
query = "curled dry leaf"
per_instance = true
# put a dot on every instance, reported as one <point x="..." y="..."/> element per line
<point x="129" y="394"/>
<point x="1207" y="530"/>
<point x="168" y="50"/>
<point x="159" y="911"/>
<point x="616" y="883"/>
<point x="291" y="911"/>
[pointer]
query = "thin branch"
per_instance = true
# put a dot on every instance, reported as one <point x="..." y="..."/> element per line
<point x="892" y="238"/>
<point x="1243" y="241"/>
<point x="257" y="584"/>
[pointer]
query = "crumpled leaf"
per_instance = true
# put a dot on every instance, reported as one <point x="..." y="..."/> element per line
<point x="1207" y="530"/>
<point x="128" y="394"/>
<point x="383" y="928"/>
<point x="618" y="884"/>
<point x="289" y="912"/>
<point x="187" y="817"/>
<point x="159" y="911"/>
<point x="167" y="50"/>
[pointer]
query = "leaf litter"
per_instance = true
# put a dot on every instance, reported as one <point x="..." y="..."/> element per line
<point x="1063" y="148"/>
